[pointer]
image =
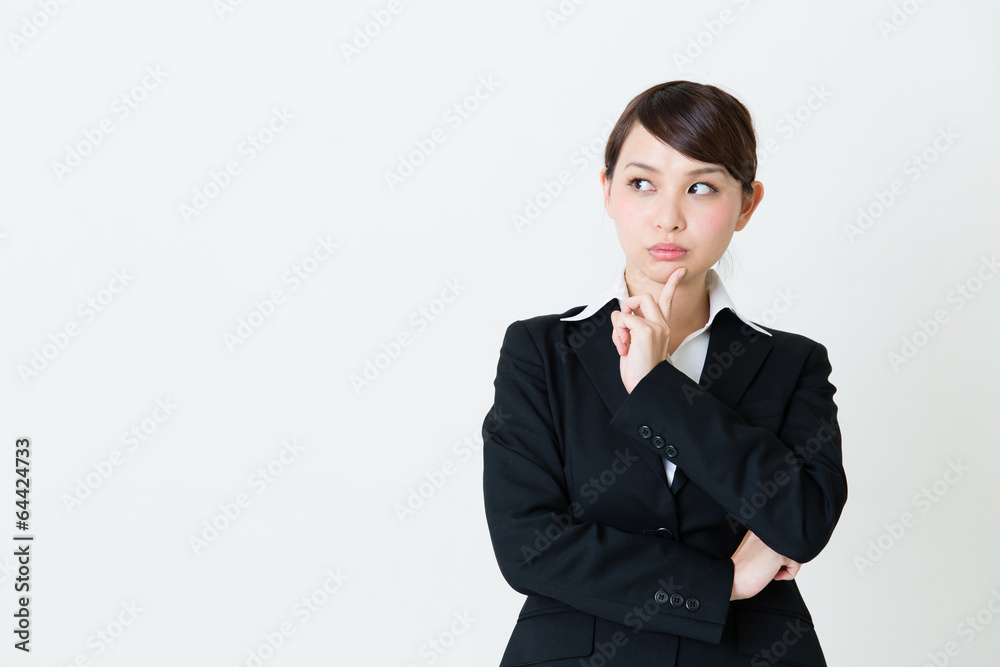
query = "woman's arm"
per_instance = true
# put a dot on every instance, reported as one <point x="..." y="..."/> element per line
<point x="543" y="548"/>
<point x="793" y="481"/>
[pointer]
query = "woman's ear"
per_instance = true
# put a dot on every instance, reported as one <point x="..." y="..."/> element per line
<point x="606" y="188"/>
<point x="750" y="202"/>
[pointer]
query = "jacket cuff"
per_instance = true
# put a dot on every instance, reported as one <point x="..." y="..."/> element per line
<point x="665" y="388"/>
<point x="699" y="614"/>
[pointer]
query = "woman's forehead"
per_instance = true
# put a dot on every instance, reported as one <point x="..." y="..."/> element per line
<point x="649" y="151"/>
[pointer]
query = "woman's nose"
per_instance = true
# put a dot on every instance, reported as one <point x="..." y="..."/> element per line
<point x="670" y="215"/>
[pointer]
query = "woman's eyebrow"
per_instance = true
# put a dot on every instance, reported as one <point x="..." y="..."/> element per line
<point x="705" y="170"/>
<point x="642" y="166"/>
<point x="693" y="172"/>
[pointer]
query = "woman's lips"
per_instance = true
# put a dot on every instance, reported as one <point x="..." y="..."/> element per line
<point x="667" y="253"/>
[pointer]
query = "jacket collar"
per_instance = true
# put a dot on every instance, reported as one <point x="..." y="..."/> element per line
<point x="718" y="299"/>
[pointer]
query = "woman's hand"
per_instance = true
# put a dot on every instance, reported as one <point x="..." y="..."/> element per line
<point x="643" y="340"/>
<point x="756" y="564"/>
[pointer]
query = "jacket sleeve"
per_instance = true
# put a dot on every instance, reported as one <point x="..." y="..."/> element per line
<point x="544" y="548"/>
<point x="789" y="488"/>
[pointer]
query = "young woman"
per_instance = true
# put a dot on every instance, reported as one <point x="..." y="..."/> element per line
<point x="657" y="467"/>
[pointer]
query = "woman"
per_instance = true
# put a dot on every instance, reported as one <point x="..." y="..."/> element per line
<point x="656" y="466"/>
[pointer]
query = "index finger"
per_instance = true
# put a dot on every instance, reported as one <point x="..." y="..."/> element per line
<point x="667" y="294"/>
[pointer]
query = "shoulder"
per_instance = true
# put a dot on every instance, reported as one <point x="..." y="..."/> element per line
<point x="788" y="338"/>
<point x="544" y="331"/>
<point x="794" y="345"/>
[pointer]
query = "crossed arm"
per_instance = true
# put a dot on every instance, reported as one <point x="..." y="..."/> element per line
<point x="799" y="470"/>
<point x="542" y="549"/>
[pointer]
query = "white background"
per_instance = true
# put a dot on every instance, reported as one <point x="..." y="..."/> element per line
<point x="362" y="451"/>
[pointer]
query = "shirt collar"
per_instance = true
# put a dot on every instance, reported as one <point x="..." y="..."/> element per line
<point x="718" y="299"/>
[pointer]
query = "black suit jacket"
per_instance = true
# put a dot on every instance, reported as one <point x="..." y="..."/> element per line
<point x="620" y="568"/>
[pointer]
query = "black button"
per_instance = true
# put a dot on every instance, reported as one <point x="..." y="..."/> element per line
<point x="670" y="451"/>
<point x="645" y="431"/>
<point x="676" y="600"/>
<point x="693" y="604"/>
<point x="665" y="532"/>
<point x="660" y="597"/>
<point x="659" y="442"/>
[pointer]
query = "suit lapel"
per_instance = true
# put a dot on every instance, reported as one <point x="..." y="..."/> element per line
<point x="725" y="374"/>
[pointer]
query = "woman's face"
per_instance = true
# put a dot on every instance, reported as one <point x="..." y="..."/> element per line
<point x="659" y="196"/>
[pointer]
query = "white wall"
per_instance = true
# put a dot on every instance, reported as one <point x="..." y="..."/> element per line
<point x="190" y="279"/>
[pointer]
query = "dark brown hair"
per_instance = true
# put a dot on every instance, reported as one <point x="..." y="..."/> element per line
<point x="698" y="120"/>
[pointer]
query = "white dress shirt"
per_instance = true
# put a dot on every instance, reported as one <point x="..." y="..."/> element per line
<point x="690" y="355"/>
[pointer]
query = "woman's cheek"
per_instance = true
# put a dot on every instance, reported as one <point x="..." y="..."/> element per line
<point x="626" y="210"/>
<point x="720" y="217"/>
<point x="629" y="220"/>
<point x="717" y="226"/>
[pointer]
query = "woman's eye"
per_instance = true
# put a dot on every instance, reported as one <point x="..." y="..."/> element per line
<point x="707" y="188"/>
<point x="640" y="180"/>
